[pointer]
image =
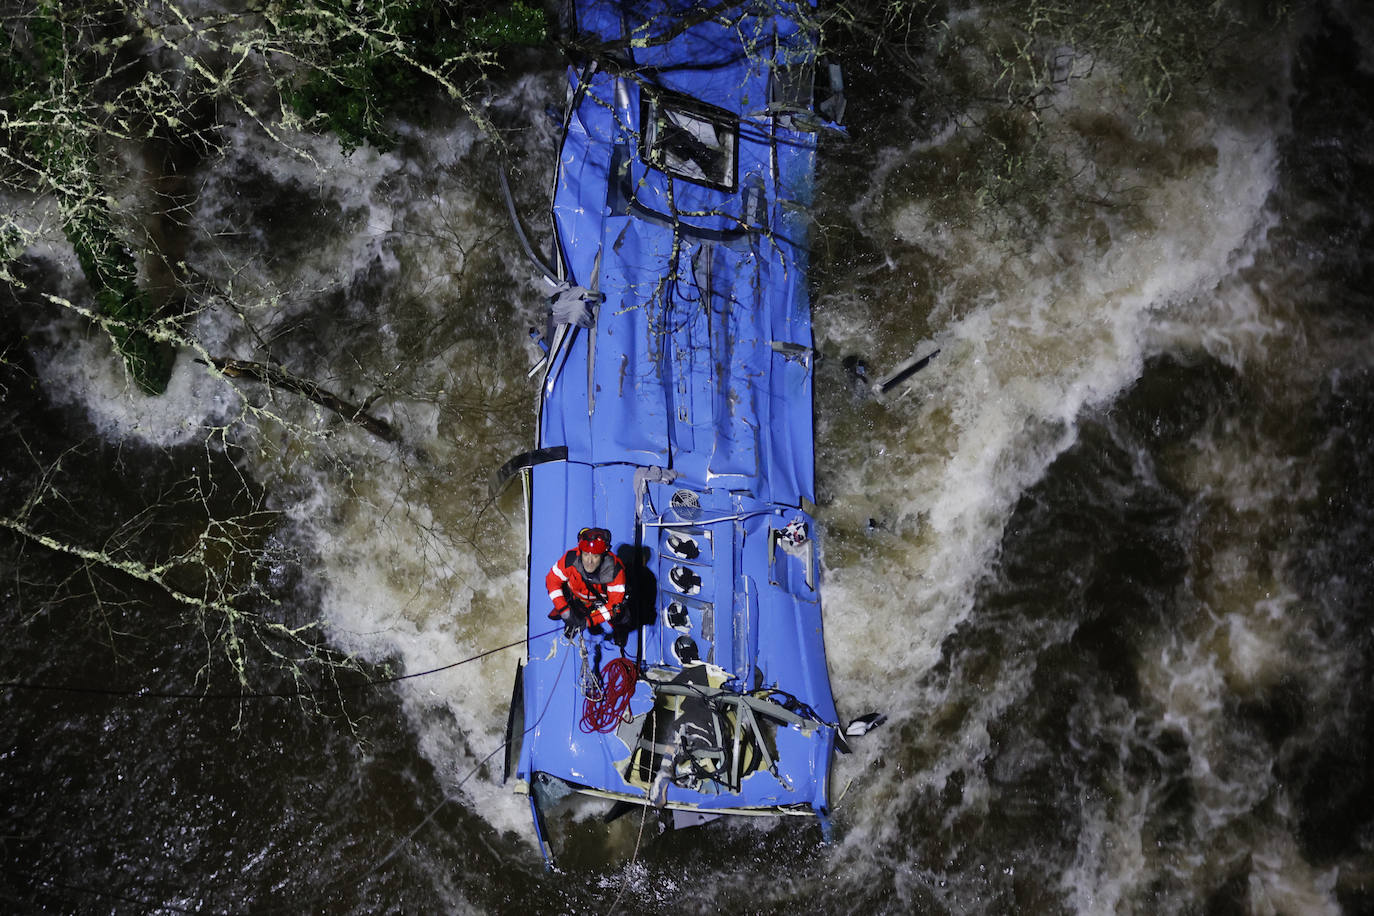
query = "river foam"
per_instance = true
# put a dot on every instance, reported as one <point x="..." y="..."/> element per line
<point x="1031" y="340"/>
<point x="394" y="275"/>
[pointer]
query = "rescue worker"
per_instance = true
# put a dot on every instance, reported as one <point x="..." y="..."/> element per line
<point x="587" y="584"/>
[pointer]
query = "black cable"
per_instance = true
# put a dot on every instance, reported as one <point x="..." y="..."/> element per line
<point x="520" y="228"/>
<point x="262" y="695"/>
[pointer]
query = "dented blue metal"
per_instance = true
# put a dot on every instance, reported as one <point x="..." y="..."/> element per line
<point x="679" y="381"/>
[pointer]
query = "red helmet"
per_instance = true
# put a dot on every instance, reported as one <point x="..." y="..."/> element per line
<point x="593" y="540"/>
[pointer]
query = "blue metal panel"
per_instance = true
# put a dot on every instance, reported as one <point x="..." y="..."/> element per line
<point x="686" y="411"/>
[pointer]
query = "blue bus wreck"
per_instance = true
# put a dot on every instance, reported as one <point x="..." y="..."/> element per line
<point x="675" y="412"/>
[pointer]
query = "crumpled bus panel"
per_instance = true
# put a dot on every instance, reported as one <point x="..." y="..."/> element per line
<point x="683" y="394"/>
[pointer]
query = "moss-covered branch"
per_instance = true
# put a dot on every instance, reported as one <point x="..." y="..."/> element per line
<point x="80" y="84"/>
<point x="364" y="67"/>
<point x="277" y="377"/>
<point x="52" y="82"/>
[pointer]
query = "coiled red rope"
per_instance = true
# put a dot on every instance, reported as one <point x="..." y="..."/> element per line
<point x="611" y="708"/>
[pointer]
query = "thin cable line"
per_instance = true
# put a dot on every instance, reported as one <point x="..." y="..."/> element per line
<point x="399" y="844"/>
<point x="144" y="694"/>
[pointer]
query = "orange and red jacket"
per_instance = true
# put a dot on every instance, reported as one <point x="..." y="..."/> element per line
<point x="600" y="592"/>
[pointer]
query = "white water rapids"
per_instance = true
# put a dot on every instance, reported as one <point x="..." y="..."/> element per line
<point x="396" y="274"/>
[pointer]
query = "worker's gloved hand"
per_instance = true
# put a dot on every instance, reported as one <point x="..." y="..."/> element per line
<point x="570" y="627"/>
<point x="596" y="630"/>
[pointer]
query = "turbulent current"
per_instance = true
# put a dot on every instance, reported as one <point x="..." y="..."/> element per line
<point x="1104" y="563"/>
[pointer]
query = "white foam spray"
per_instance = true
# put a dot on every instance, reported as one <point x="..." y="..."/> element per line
<point x="1035" y="339"/>
<point x="412" y="571"/>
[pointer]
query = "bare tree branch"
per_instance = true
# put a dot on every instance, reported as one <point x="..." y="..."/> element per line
<point x="280" y="378"/>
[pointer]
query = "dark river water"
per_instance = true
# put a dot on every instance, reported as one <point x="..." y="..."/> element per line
<point x="1105" y="563"/>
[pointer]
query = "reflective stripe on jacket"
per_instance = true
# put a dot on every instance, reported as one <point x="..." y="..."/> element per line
<point x="600" y="591"/>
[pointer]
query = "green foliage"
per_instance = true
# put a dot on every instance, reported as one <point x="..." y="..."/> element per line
<point x="112" y="272"/>
<point x="27" y="67"/>
<point x="353" y="101"/>
<point x="356" y="80"/>
<point x="519" y="25"/>
<point x="84" y="84"/>
<point x="33" y="77"/>
<point x="107" y="110"/>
